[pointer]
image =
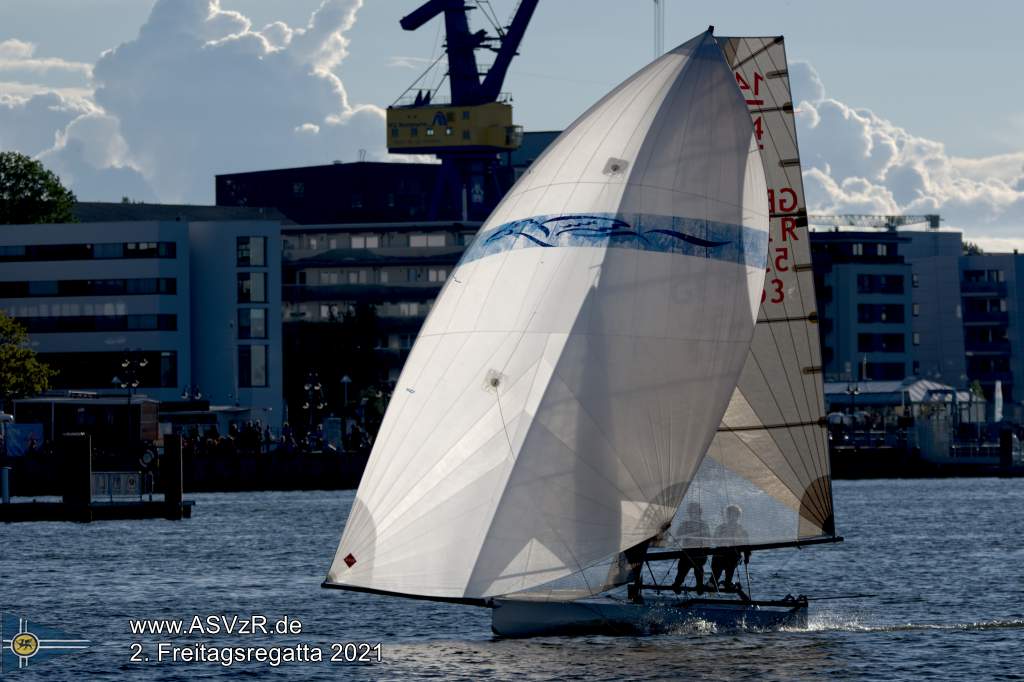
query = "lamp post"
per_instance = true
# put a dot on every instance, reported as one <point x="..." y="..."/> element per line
<point x="852" y="390"/>
<point x="314" y="396"/>
<point x="131" y="379"/>
<point x="345" y="381"/>
<point x="191" y="393"/>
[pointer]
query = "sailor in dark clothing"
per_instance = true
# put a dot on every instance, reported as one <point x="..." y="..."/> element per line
<point x="693" y="533"/>
<point x="729" y="533"/>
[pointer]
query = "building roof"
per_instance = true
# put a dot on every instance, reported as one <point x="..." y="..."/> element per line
<point x="107" y="212"/>
<point x="401" y="226"/>
<point x="910" y="390"/>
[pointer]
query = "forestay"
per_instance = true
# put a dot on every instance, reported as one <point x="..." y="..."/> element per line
<point x="574" y="369"/>
<point x="770" y="455"/>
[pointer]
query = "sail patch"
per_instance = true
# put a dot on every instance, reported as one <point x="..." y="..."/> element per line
<point x="644" y="232"/>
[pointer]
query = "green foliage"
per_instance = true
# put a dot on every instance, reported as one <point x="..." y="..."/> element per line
<point x="976" y="389"/>
<point x="29" y="193"/>
<point x="21" y="373"/>
<point x="971" y="249"/>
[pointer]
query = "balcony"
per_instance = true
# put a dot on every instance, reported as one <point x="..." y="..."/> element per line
<point x="983" y="288"/>
<point x="986" y="317"/>
<point x="987" y="347"/>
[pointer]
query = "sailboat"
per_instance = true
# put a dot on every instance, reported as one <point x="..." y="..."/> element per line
<point x="630" y="335"/>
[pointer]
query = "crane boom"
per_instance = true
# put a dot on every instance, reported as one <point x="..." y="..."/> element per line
<point x="890" y="222"/>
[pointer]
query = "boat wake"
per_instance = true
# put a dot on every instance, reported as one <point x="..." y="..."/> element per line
<point x="848" y="623"/>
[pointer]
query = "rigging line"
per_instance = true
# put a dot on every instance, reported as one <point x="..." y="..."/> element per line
<point x="413" y="85"/>
<point x="767" y="383"/>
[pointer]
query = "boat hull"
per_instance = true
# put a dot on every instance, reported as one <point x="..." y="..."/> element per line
<point x="522" y="618"/>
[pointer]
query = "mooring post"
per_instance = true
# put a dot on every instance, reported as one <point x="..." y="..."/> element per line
<point x="171" y="476"/>
<point x="76" y="465"/>
<point x="5" y="485"/>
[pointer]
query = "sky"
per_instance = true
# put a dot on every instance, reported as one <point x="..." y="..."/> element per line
<point x="904" y="107"/>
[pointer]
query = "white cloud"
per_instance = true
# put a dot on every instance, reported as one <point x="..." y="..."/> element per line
<point x="200" y="92"/>
<point x="855" y="161"/>
<point x="19" y="65"/>
<point x="197" y="92"/>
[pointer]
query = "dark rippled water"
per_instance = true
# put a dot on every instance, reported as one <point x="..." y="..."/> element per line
<point x="944" y="557"/>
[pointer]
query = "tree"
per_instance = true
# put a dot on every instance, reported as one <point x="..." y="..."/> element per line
<point x="971" y="249"/>
<point x="29" y="193"/>
<point x="21" y="372"/>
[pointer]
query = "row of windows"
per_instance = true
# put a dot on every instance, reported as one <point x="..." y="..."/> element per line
<point x="252" y="323"/>
<point x="363" y="276"/>
<point x="888" y="313"/>
<point x="49" y="252"/>
<point x="66" y="309"/>
<point x="374" y="241"/>
<point x="252" y="366"/>
<point x="879" y="249"/>
<point x="879" y="284"/>
<point x="140" y="286"/>
<point x="251" y="251"/>
<point x="880" y="343"/>
<point x="102" y="323"/>
<point x="252" y="287"/>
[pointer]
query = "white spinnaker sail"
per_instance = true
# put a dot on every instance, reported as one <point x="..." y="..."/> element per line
<point x="575" y="367"/>
<point x="770" y="456"/>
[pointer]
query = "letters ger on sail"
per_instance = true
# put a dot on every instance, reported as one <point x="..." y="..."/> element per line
<point x="576" y="366"/>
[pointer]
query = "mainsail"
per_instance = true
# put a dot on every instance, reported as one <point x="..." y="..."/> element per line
<point x="770" y="455"/>
<point x="573" y="372"/>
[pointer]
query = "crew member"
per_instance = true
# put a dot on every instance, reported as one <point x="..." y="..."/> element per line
<point x="729" y="533"/>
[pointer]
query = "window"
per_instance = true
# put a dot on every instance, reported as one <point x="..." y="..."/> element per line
<point x="298" y="189"/>
<point x="917" y="368"/>
<point x="252" y="366"/>
<point x="333" y="244"/>
<point x="430" y="132"/>
<point x="917" y="309"/>
<point x="437" y="275"/>
<point x="417" y="240"/>
<point x="358" y="242"/>
<point x="888" y="313"/>
<point x="880" y="343"/>
<point x="311" y="242"/>
<point x="917" y="338"/>
<point x="252" y="323"/>
<point x="252" y="287"/>
<point x="858" y="249"/>
<point x="372" y="241"/>
<point x="465" y="134"/>
<point x="435" y="240"/>
<point x="414" y="132"/>
<point x="383" y="276"/>
<point x="916" y="280"/>
<point x="408" y="309"/>
<point x="883" y="249"/>
<point x="251" y="251"/>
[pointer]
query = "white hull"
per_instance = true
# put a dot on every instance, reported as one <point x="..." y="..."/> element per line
<point x="521" y="618"/>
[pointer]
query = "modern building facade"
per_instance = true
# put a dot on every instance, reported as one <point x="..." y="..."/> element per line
<point x="178" y="306"/>
<point x="864" y="305"/>
<point x="936" y="319"/>
<point x="992" y="291"/>
<point x="397" y="269"/>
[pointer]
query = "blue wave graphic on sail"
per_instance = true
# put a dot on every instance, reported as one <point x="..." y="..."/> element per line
<point x="645" y="232"/>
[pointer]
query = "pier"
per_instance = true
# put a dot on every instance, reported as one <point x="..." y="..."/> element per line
<point x="124" y="492"/>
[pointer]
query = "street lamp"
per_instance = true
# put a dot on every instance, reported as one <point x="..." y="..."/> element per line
<point x="314" y="396"/>
<point x="131" y="379"/>
<point x="345" y="381"/>
<point x="852" y="390"/>
<point x="191" y="393"/>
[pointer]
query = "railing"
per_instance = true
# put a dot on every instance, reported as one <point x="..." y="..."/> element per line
<point x="982" y="287"/>
<point x="986" y="316"/>
<point x="122" y="484"/>
<point x="987" y="346"/>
